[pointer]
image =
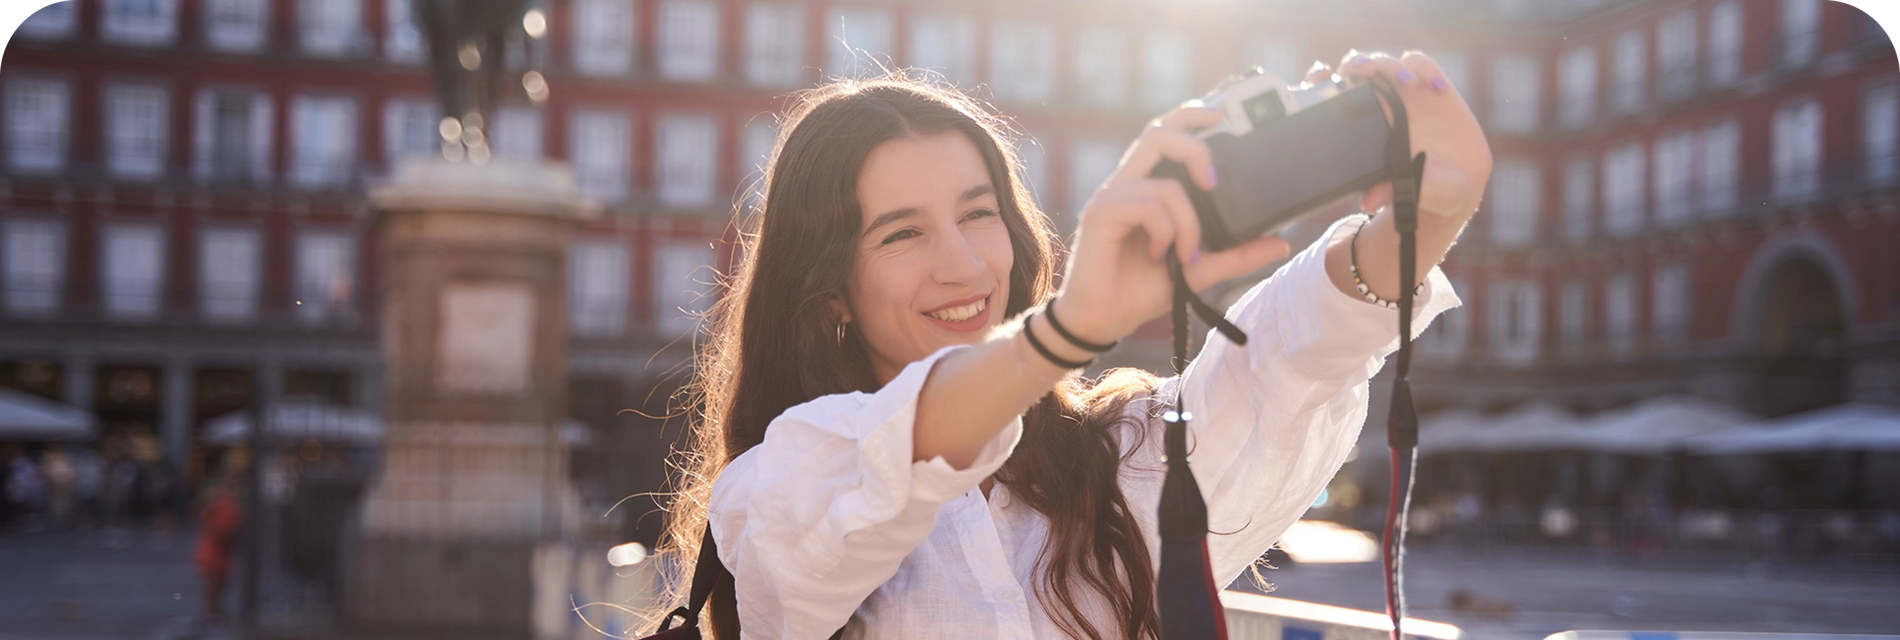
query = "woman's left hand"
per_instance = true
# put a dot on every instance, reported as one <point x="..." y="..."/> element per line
<point x="1458" y="158"/>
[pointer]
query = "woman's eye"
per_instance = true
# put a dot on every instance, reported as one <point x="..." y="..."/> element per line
<point x="901" y="234"/>
<point x="980" y="213"/>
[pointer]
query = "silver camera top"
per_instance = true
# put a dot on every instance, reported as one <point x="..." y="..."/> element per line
<point x="1260" y="98"/>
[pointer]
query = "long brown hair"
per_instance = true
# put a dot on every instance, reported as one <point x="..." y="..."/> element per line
<point x="771" y="343"/>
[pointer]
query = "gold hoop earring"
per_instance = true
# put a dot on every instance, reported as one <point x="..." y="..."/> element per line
<point x="841" y="333"/>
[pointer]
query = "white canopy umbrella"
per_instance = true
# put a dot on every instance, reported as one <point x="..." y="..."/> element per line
<point x="24" y="416"/>
<point x="1655" y="425"/>
<point x="298" y="420"/>
<point x="1532" y="426"/>
<point x="1854" y="426"/>
<point x="1451" y="430"/>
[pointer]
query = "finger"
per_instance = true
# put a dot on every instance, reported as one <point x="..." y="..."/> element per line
<point x="1121" y="211"/>
<point x="1319" y="72"/>
<point x="1150" y="215"/>
<point x="1360" y="66"/>
<point x="1239" y="260"/>
<point x="1428" y="71"/>
<point x="1189" y="117"/>
<point x="1158" y="142"/>
<point x="1180" y="211"/>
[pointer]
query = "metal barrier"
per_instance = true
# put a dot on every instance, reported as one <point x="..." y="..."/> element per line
<point x="1256" y="617"/>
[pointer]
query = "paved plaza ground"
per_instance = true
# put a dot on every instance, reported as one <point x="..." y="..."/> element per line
<point x="76" y="586"/>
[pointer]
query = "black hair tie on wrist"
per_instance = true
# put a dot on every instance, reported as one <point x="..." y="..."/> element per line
<point x="1049" y="311"/>
<point x="1046" y="353"/>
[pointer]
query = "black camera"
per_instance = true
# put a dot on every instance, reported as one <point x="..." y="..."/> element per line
<point x="1283" y="152"/>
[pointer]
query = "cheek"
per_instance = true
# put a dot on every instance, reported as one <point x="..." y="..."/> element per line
<point x="997" y="251"/>
<point x="881" y="286"/>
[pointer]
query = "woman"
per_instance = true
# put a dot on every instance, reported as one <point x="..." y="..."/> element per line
<point x="881" y="451"/>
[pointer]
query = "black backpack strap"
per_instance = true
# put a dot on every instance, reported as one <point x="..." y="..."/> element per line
<point x="708" y="572"/>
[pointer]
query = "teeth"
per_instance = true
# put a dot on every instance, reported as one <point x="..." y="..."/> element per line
<point x="959" y="314"/>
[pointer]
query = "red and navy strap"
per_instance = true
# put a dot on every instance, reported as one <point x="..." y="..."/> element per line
<point x="1188" y="598"/>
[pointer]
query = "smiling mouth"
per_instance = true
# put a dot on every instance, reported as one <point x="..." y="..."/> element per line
<point x="962" y="312"/>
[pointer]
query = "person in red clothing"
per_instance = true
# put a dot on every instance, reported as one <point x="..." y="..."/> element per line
<point x="218" y="524"/>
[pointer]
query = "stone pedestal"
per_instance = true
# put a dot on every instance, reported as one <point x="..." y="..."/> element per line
<point x="474" y="335"/>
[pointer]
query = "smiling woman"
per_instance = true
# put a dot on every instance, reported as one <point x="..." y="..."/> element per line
<point x="890" y="440"/>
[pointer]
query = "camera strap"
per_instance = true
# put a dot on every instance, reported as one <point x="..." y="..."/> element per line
<point x="1187" y="596"/>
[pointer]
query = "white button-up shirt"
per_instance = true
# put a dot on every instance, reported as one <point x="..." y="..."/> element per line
<point x="829" y="523"/>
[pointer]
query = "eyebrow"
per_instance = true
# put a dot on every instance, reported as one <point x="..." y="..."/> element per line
<point x="895" y="215"/>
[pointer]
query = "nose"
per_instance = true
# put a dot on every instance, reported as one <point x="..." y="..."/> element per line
<point x="957" y="261"/>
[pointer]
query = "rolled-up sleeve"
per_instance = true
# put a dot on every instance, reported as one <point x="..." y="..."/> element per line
<point x="823" y="511"/>
<point x="1275" y="419"/>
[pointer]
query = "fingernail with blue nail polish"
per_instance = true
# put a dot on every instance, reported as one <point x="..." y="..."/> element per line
<point x="1212" y="180"/>
<point x="1406" y="77"/>
<point x="1360" y="61"/>
<point x="1195" y="258"/>
<point x="1439" y="84"/>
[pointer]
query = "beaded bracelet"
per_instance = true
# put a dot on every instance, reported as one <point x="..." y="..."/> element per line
<point x="1360" y="283"/>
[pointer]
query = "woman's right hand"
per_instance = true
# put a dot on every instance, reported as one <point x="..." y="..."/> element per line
<point x="1117" y="277"/>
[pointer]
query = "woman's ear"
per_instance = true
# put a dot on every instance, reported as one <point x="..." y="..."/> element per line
<point x="842" y="310"/>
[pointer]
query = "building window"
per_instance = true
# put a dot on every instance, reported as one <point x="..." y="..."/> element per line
<point x="329" y="28"/>
<point x="860" y="40"/>
<point x="1720" y="173"/>
<point x="1675" y="47"/>
<point x="1725" y="43"/>
<point x="231" y="136"/>
<point x="1450" y="331"/>
<point x="134" y="280"/>
<point x="1674" y="163"/>
<point x="1101" y="62"/>
<point x="1515" y="94"/>
<point x="1579" y="76"/>
<point x="755" y="154"/>
<point x="1280" y="56"/>
<point x="1580" y="184"/>
<point x="1091" y="162"/>
<point x="1879" y="118"/>
<point x="599" y="143"/>
<point x="410" y="130"/>
<point x="402" y="39"/>
<point x="1800" y="32"/>
<point x="139" y="22"/>
<point x="1023" y="60"/>
<point x="136" y="119"/>
<point x="1669" y="303"/>
<point x="1632" y="61"/>
<point x="236" y="25"/>
<point x="55" y="21"/>
<point x="688" y="40"/>
<point x="682" y="291"/>
<point x="1516" y="196"/>
<point x="603" y="37"/>
<point x="35" y="254"/>
<point x="1574" y="312"/>
<point x="39" y="115"/>
<point x="323" y="141"/>
<point x="775" y="44"/>
<point x="1167" y="70"/>
<point x="689" y="160"/>
<point x="597" y="277"/>
<point x="1516" y="321"/>
<point x="1619" y="311"/>
<point x="516" y="133"/>
<point x="1623" y="190"/>
<point x="325" y="274"/>
<point x="1033" y="166"/>
<point x="227" y="275"/>
<point x="1797" y="150"/>
<point x="945" y="44"/>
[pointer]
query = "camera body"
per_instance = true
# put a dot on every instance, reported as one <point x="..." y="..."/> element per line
<point x="1283" y="152"/>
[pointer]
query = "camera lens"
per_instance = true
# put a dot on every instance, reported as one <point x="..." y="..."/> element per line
<point x="1264" y="108"/>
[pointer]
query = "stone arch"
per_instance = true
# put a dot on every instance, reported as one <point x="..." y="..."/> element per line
<point x="1753" y="287"/>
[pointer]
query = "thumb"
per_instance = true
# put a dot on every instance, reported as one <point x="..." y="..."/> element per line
<point x="1236" y="261"/>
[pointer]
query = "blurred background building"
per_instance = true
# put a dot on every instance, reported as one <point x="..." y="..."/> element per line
<point x="1691" y="196"/>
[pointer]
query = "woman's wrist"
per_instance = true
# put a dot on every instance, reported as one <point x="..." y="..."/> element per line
<point x="1085" y="327"/>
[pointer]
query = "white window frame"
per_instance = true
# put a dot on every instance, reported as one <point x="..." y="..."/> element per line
<point x="1091" y="162"/>
<point x="756" y="140"/>
<point x="600" y="147"/>
<point x="1167" y="70"/>
<point x="1517" y="201"/>
<point x="1578" y="71"/>
<point x="603" y="37"/>
<point x="1676" y="55"/>
<point x="687" y="40"/>
<point x="1797" y="149"/>
<point x="255" y="164"/>
<point x="598" y="276"/>
<point x="132" y="280"/>
<point x="323" y="152"/>
<point x="39" y="124"/>
<point x="410" y="129"/>
<point x="1023" y="60"/>
<point x="34" y="255"/>
<point x="1516" y="93"/>
<point x="687" y="164"/>
<point x="1619" y="311"/>
<point x="137" y="128"/>
<point x="1573" y="315"/>
<point x="1580" y="190"/>
<point x="1725" y="43"/>
<point x="1799" y="31"/>
<point x="57" y="21"/>
<point x="682" y="273"/>
<point x="330" y="28"/>
<point x="1623" y="179"/>
<point x="402" y="37"/>
<point x="1880" y="131"/>
<point x="229" y="265"/>
<point x="1719" y="168"/>
<point x="1100" y="69"/>
<point x="1033" y="170"/>
<point x="945" y="43"/>
<point x="1670" y="305"/>
<point x="1515" y="319"/>
<point x="325" y="271"/>
<point x="237" y="26"/>
<point x="156" y="25"/>
<point x="1673" y="169"/>
<point x="1629" y="72"/>
<point x="518" y="132"/>
<point x="775" y="44"/>
<point x="858" y="39"/>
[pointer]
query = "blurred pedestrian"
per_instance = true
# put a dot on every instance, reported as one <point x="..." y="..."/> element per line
<point x="61" y="479"/>
<point x="89" y="472"/>
<point x="122" y="477"/>
<point x="219" y="521"/>
<point x="26" y="488"/>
